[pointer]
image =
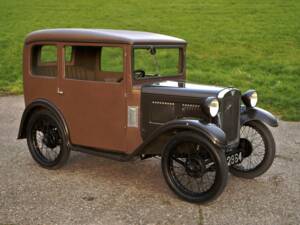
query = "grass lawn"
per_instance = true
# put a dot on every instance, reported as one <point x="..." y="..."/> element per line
<point x="241" y="43"/>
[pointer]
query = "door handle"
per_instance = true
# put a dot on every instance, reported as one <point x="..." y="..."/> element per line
<point x="60" y="92"/>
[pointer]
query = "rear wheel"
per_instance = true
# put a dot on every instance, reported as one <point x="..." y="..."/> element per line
<point x="46" y="140"/>
<point x="194" y="168"/>
<point x="259" y="150"/>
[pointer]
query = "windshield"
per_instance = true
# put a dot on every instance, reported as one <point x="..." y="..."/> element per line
<point x="152" y="62"/>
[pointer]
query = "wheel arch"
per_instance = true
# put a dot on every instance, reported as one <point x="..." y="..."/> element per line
<point x="208" y="130"/>
<point x="36" y="105"/>
<point x="255" y="113"/>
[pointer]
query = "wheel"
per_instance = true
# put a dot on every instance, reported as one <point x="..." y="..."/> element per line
<point x="260" y="150"/>
<point x="194" y="168"/>
<point x="46" y="140"/>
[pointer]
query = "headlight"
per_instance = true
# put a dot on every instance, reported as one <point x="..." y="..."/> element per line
<point x="250" y="98"/>
<point x="212" y="106"/>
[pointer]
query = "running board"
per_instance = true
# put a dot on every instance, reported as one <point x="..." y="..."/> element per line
<point x="119" y="156"/>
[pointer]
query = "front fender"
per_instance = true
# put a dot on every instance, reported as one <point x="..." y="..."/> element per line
<point x="255" y="113"/>
<point x="209" y="130"/>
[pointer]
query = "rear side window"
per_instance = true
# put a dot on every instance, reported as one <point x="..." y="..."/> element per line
<point x="44" y="60"/>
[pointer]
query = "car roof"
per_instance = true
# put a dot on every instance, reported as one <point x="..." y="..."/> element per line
<point x="102" y="35"/>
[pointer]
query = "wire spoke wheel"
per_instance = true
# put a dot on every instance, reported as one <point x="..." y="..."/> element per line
<point x="194" y="171"/>
<point x="260" y="153"/>
<point x="193" y="168"/>
<point x="46" y="140"/>
<point x="258" y="149"/>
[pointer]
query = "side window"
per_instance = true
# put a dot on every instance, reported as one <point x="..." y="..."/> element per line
<point x="94" y="63"/>
<point x="111" y="59"/>
<point x="44" y="60"/>
<point x="68" y="54"/>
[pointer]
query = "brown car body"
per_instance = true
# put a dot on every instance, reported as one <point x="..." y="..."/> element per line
<point x="95" y="112"/>
<point x="125" y="113"/>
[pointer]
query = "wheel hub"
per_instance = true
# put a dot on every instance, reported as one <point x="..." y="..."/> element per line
<point x="195" y="167"/>
<point x="246" y="147"/>
<point x="49" y="140"/>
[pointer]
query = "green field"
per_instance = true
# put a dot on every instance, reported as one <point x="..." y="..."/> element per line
<point x="241" y="43"/>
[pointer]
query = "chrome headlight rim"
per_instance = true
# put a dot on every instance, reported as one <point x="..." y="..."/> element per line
<point x="212" y="106"/>
<point x="250" y="98"/>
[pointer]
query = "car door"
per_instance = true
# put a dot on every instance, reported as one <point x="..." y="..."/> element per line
<point x="91" y="90"/>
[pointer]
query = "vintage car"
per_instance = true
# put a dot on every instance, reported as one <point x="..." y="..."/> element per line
<point x="122" y="94"/>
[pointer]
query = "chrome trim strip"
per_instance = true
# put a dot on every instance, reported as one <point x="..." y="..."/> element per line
<point x="155" y="123"/>
<point x="222" y="93"/>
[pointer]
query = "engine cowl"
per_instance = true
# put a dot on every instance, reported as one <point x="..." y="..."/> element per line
<point x="165" y="101"/>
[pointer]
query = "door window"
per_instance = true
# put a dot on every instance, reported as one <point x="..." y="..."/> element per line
<point x="111" y="59"/>
<point x="94" y="63"/>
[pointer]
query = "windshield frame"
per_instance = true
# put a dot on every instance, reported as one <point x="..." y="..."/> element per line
<point x="181" y="63"/>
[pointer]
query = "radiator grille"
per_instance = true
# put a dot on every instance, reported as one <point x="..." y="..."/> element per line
<point x="230" y="115"/>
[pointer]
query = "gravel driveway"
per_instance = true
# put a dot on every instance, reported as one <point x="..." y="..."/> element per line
<point x="93" y="190"/>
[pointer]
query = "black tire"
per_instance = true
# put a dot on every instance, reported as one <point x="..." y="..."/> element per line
<point x="204" y="152"/>
<point x="264" y="160"/>
<point x="46" y="140"/>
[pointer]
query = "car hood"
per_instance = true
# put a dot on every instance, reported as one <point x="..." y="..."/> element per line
<point x="181" y="88"/>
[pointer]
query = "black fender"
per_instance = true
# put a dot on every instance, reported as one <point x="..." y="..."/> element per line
<point x="215" y="134"/>
<point x="255" y="113"/>
<point x="37" y="105"/>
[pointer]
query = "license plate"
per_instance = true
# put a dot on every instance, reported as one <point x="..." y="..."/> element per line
<point x="234" y="158"/>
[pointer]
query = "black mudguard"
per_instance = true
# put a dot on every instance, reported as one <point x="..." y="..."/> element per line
<point x="209" y="130"/>
<point x="35" y="105"/>
<point x="255" y="113"/>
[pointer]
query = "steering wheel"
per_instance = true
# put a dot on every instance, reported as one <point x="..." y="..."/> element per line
<point x="139" y="73"/>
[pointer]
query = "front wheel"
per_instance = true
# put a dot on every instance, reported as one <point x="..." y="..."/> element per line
<point x="194" y="168"/>
<point x="260" y="153"/>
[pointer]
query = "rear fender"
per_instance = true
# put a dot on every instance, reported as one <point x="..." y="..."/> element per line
<point x="36" y="105"/>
